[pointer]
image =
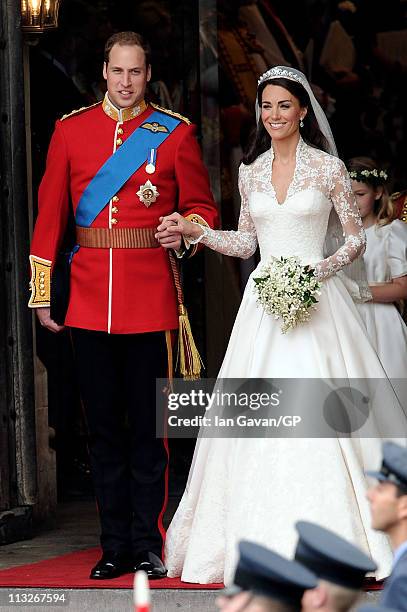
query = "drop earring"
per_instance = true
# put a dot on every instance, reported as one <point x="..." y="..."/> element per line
<point x="301" y="123"/>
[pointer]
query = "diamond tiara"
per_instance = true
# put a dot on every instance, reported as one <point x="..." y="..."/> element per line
<point x="286" y="73"/>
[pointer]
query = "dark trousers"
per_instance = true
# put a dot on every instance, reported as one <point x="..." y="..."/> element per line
<point x="116" y="374"/>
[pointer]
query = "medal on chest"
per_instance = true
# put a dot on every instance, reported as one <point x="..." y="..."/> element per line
<point x="148" y="193"/>
<point x="152" y="161"/>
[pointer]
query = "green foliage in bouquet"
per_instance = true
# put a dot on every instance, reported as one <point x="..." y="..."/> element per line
<point x="287" y="290"/>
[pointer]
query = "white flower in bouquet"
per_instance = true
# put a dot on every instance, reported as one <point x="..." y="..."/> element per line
<point x="287" y="290"/>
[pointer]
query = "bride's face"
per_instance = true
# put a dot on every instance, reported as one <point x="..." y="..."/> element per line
<point x="281" y="112"/>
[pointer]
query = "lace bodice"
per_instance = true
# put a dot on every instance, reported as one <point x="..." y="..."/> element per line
<point x="298" y="226"/>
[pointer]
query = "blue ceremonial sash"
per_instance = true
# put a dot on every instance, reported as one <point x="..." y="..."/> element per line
<point x="114" y="173"/>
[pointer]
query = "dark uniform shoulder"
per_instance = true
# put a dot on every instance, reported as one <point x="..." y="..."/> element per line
<point x="170" y="112"/>
<point x="79" y="111"/>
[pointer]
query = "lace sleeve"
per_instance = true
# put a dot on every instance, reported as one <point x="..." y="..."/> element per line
<point x="348" y="213"/>
<point x="241" y="243"/>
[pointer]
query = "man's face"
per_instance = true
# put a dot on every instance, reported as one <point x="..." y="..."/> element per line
<point x="127" y="75"/>
<point x="314" y="599"/>
<point x="384" y="505"/>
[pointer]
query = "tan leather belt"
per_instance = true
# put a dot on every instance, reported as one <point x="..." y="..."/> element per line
<point x="118" y="238"/>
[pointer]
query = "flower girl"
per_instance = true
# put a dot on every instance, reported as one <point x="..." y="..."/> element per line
<point x="386" y="264"/>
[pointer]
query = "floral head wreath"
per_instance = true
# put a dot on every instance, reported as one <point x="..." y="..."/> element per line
<point x="375" y="176"/>
<point x="292" y="74"/>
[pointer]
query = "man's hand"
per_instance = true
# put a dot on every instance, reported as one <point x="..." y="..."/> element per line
<point x="44" y="317"/>
<point x="171" y="228"/>
<point x="167" y="239"/>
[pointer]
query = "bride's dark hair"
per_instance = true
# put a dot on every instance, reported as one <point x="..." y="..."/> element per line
<point x="260" y="140"/>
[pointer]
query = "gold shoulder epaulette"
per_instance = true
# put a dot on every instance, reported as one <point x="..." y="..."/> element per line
<point x="170" y="112"/>
<point x="79" y="110"/>
<point x="398" y="194"/>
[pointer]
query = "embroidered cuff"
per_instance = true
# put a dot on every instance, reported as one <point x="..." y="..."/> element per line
<point x="195" y="218"/>
<point x="40" y="283"/>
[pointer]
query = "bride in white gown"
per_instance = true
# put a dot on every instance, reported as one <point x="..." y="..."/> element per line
<point x="256" y="489"/>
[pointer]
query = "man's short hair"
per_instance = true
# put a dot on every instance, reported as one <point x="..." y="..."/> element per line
<point x="400" y="490"/>
<point x="127" y="38"/>
<point x="341" y="598"/>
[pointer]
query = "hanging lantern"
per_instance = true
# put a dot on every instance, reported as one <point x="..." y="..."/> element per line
<point x="38" y="16"/>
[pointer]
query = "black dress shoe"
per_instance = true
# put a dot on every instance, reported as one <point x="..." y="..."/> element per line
<point x="111" y="565"/>
<point x="151" y="564"/>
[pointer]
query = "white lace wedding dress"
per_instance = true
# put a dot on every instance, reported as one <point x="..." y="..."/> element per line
<point x="258" y="488"/>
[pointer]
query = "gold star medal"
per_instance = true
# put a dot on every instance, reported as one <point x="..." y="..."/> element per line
<point x="148" y="193"/>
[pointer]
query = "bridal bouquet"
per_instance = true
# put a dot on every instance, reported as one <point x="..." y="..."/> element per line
<point x="287" y="290"/>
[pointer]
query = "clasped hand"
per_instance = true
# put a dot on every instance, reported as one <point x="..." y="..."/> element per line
<point x="172" y="228"/>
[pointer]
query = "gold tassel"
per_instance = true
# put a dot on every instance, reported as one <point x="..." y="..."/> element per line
<point x="190" y="361"/>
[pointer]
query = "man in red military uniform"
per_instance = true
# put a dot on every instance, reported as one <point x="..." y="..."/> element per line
<point x="122" y="164"/>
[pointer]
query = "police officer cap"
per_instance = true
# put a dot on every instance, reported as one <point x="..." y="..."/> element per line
<point x="331" y="557"/>
<point x="264" y="572"/>
<point x="394" y="465"/>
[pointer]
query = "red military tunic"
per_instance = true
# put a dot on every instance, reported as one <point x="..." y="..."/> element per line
<point x="118" y="290"/>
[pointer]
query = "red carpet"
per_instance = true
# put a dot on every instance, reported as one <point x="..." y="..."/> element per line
<point x="71" y="571"/>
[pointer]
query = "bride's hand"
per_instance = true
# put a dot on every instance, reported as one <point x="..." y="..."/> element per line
<point x="177" y="224"/>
